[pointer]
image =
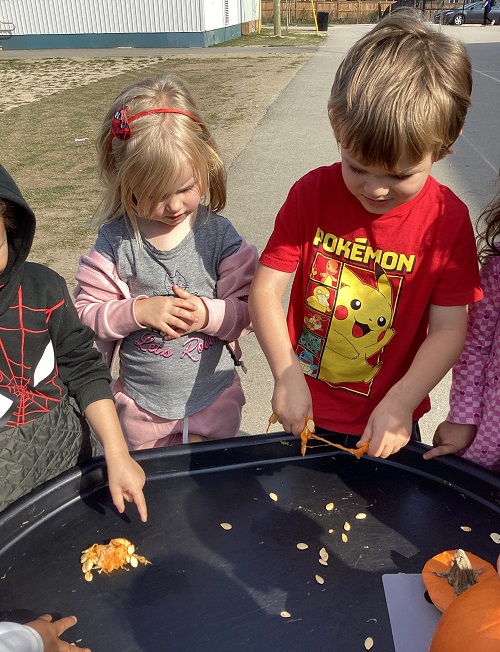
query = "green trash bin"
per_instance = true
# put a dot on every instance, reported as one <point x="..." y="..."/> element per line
<point x="322" y="17"/>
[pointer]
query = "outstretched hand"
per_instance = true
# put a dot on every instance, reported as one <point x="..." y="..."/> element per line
<point x="126" y="480"/>
<point x="451" y="438"/>
<point x="51" y="631"/>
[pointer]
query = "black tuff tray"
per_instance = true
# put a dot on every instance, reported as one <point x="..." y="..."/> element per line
<point x="224" y="590"/>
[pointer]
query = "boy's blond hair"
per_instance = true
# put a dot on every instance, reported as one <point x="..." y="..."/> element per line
<point x="402" y="89"/>
<point x="139" y="172"/>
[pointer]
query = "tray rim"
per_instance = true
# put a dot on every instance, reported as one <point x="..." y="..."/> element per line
<point x="81" y="481"/>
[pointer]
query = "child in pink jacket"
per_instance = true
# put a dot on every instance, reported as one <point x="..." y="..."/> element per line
<point x="472" y="426"/>
<point x="165" y="286"/>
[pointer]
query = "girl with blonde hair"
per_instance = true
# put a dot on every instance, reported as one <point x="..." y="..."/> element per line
<point x="165" y="286"/>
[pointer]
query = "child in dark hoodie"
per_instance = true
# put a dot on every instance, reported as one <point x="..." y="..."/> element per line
<point x="46" y="358"/>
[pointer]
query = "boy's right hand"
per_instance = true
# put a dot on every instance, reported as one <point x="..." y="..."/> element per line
<point x="50" y="632"/>
<point x="292" y="403"/>
<point x="172" y="316"/>
<point x="451" y="438"/>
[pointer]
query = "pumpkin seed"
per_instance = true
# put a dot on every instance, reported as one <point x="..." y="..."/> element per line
<point x="285" y="614"/>
<point x="87" y="565"/>
<point x="273" y="496"/>
<point x="319" y="579"/>
<point x="310" y="425"/>
<point x="361" y="516"/>
<point x="347" y="527"/>
<point x="226" y="526"/>
<point x="465" y="528"/>
<point x="344" y="537"/>
<point x="495" y="537"/>
<point x="133" y="562"/>
<point x="368" y="643"/>
<point x="302" y="546"/>
<point x="330" y="531"/>
<point x="88" y="576"/>
<point x="323" y="554"/>
<point x="323" y="562"/>
<point x="329" y="507"/>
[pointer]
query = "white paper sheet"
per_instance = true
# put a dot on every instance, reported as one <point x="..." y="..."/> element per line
<point x="413" y="619"/>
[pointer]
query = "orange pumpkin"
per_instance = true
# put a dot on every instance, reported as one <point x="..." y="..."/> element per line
<point x="452" y="572"/>
<point x="472" y="621"/>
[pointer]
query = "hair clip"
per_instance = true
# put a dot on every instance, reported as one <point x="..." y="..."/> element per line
<point x="120" y="124"/>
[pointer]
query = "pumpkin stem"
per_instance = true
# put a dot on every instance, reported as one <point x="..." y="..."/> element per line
<point x="461" y="576"/>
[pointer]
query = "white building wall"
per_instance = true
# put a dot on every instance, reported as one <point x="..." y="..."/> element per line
<point x="249" y="10"/>
<point x="215" y="14"/>
<point x="110" y="16"/>
<point x="223" y="13"/>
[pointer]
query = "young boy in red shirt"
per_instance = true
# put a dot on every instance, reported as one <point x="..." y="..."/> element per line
<point x="384" y="257"/>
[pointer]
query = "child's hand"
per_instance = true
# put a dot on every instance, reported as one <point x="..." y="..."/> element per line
<point x="201" y="308"/>
<point x="172" y="316"/>
<point x="451" y="438"/>
<point x="388" y="429"/>
<point x="50" y="632"/>
<point x="126" y="479"/>
<point x="292" y="403"/>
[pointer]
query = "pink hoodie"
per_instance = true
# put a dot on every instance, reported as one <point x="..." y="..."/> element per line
<point x="103" y="301"/>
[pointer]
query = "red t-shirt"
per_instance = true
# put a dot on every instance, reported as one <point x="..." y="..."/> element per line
<point x="359" y="303"/>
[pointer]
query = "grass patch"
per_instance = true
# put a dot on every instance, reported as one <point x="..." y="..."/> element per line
<point x="57" y="172"/>
<point x="266" y="38"/>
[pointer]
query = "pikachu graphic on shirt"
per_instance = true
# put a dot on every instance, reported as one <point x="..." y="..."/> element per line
<point x="360" y="327"/>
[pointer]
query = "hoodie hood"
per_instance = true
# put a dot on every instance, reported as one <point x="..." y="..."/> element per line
<point x="20" y="236"/>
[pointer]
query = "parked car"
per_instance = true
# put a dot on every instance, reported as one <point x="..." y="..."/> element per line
<point x="471" y="13"/>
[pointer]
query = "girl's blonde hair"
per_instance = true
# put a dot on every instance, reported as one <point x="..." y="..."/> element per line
<point x="402" y="89"/>
<point x="488" y="228"/>
<point x="139" y="172"/>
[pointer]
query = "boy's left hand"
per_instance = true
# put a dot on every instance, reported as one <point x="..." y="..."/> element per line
<point x="126" y="479"/>
<point x="388" y="429"/>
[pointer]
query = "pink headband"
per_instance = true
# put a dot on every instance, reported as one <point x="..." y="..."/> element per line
<point x="120" y="124"/>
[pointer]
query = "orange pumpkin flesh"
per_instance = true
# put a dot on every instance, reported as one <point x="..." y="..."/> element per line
<point x="308" y="433"/>
<point x="472" y="621"/>
<point x="440" y="591"/>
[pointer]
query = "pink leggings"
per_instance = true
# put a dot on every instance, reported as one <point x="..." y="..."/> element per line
<point x="142" y="429"/>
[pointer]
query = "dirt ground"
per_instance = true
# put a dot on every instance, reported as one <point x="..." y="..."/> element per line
<point x="233" y="92"/>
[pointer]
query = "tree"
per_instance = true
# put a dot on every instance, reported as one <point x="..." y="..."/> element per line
<point x="277" y="17"/>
